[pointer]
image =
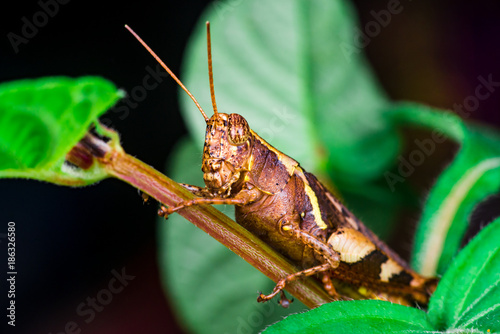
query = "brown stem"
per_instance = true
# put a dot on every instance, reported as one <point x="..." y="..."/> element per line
<point x="212" y="221"/>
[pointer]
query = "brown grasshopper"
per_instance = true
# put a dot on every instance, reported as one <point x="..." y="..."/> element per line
<point x="289" y="209"/>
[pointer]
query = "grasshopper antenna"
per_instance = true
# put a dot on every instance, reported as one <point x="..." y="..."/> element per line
<point x="210" y="72"/>
<point x="170" y="72"/>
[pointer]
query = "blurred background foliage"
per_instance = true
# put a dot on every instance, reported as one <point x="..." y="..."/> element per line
<point x="68" y="240"/>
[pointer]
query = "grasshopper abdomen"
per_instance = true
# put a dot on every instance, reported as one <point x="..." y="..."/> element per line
<point x="303" y="220"/>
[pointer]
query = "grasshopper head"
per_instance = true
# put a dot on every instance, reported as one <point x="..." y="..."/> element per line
<point x="227" y="149"/>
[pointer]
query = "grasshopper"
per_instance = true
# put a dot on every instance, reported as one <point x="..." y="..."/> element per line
<point x="289" y="209"/>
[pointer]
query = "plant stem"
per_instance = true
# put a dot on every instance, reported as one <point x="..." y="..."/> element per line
<point x="220" y="227"/>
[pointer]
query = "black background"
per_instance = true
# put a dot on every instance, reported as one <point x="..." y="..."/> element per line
<point x="69" y="240"/>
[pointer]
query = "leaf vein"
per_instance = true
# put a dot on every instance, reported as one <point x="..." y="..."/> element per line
<point x="471" y="285"/>
<point x="480" y="315"/>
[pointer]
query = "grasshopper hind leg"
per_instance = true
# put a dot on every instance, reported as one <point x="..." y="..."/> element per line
<point x="328" y="285"/>
<point x="329" y="256"/>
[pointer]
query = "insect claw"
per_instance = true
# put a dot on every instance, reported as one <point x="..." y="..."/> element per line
<point x="262" y="298"/>
<point x="284" y="301"/>
<point x="145" y="197"/>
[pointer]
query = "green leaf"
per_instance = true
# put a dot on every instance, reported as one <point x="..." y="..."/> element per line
<point x="212" y="289"/>
<point x="468" y="296"/>
<point x="364" y="316"/>
<point x="42" y="119"/>
<point x="292" y="69"/>
<point x="473" y="175"/>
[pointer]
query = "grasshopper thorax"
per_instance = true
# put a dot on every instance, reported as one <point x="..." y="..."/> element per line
<point x="227" y="151"/>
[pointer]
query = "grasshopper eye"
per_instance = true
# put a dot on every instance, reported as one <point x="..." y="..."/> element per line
<point x="238" y="129"/>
